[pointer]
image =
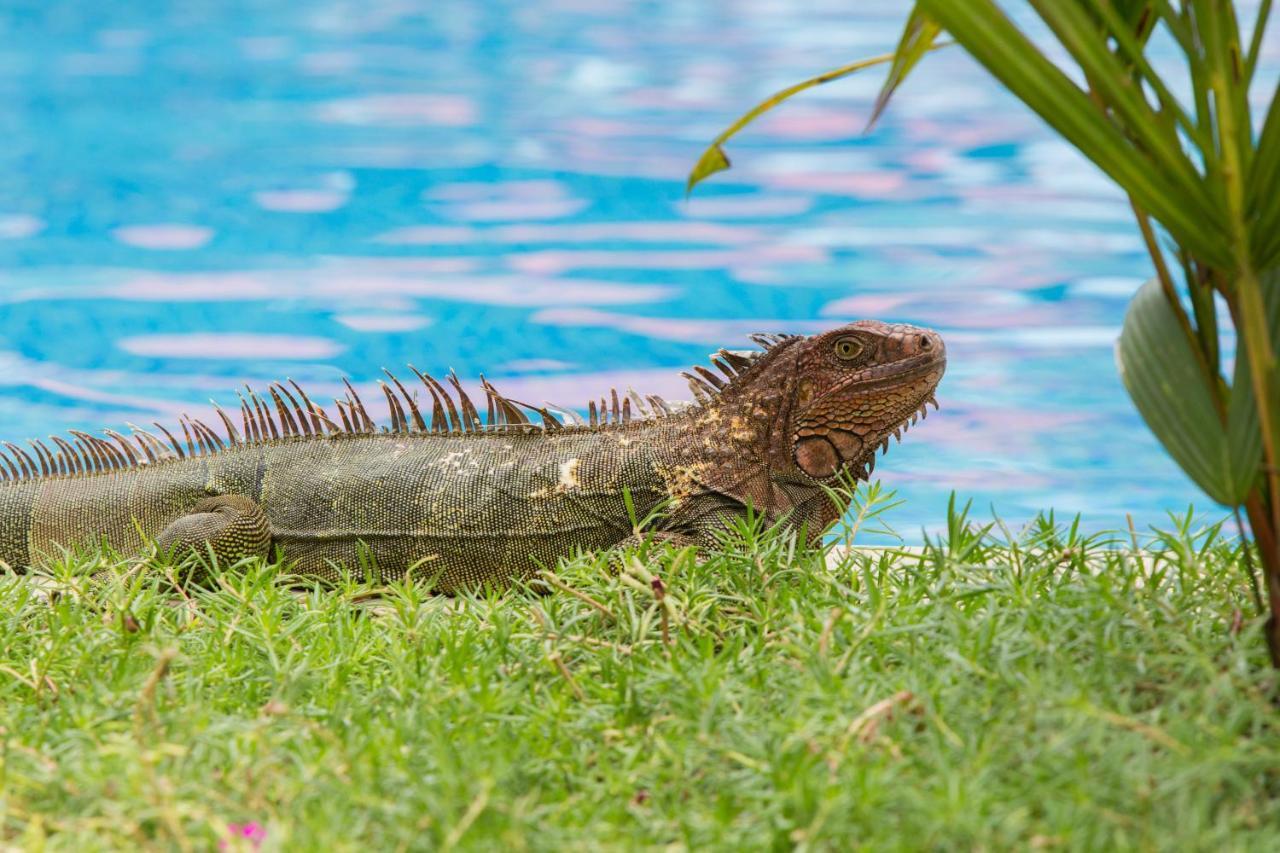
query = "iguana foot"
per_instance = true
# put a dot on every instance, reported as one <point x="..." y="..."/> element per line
<point x="232" y="527"/>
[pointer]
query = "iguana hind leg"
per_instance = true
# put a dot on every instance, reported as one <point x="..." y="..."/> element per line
<point x="233" y="527"/>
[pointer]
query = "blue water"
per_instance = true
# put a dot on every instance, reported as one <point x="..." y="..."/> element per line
<point x="198" y="195"/>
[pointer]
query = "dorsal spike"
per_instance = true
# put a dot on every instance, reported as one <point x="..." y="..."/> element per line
<point x="31" y="463"/>
<point x="124" y="445"/>
<point x="509" y="410"/>
<point x="232" y="437"/>
<point x="12" y="472"/>
<point x="323" y="417"/>
<point x="251" y="433"/>
<point x="635" y="398"/>
<point x="736" y="360"/>
<point x="393" y="406"/>
<point x="615" y="410"/>
<point x="93" y="460"/>
<point x="203" y="446"/>
<point x="439" y="421"/>
<point x="287" y="424"/>
<point x="626" y="410"/>
<point x="659" y="405"/>
<point x="550" y="422"/>
<point x="261" y="415"/>
<point x="569" y="415"/>
<point x="172" y="441"/>
<point x="270" y="418"/>
<point x="41" y="453"/>
<point x="418" y="421"/>
<point x="67" y="455"/>
<point x="342" y="413"/>
<point x="700" y="390"/>
<point x="470" y="417"/>
<point x="114" y="456"/>
<point x="57" y="463"/>
<point x="211" y="438"/>
<point x="455" y="422"/>
<point x="493" y="413"/>
<point x="711" y="379"/>
<point x="146" y="448"/>
<point x="186" y="434"/>
<point x="304" y="422"/>
<point x="93" y="457"/>
<point x="358" y="411"/>
<point x="22" y="459"/>
<point x="149" y="443"/>
<point x="592" y="418"/>
<point x="318" y="415"/>
<point x="266" y="426"/>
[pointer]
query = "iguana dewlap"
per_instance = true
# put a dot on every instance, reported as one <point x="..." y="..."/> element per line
<point x="464" y="500"/>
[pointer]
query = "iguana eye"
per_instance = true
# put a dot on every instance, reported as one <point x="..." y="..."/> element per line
<point x="848" y="348"/>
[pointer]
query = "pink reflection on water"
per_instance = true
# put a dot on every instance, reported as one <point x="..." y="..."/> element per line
<point x="164" y="236"/>
<point x="587" y="232"/>
<point x="88" y="393"/>
<point x="817" y="125"/>
<point x="511" y="200"/>
<point x="481" y="211"/>
<point x="429" y="235"/>
<point x="1001" y="431"/>
<point x="384" y="322"/>
<point x="349" y="281"/>
<point x="729" y="333"/>
<point x="858" y="184"/>
<point x="300" y="201"/>
<point x="230" y="346"/>
<point x="18" y="225"/>
<point x="744" y="206"/>
<point x="532" y="190"/>
<point x="557" y="261"/>
<point x="401" y="109"/>
<point x="637" y="232"/>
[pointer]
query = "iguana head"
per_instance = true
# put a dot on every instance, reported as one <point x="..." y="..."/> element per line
<point x="853" y="388"/>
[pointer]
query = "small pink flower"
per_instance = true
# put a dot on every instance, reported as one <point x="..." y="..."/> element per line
<point x="253" y="832"/>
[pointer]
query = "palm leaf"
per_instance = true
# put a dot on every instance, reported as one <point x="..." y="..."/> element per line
<point x="1172" y="392"/>
<point x="714" y="159"/>
<point x="988" y="34"/>
<point x="918" y="37"/>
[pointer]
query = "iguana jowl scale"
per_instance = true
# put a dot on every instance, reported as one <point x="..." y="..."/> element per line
<point x="466" y="501"/>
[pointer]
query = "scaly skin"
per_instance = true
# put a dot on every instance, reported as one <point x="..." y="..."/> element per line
<point x="487" y="506"/>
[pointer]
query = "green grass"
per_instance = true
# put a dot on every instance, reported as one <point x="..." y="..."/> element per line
<point x="1050" y="693"/>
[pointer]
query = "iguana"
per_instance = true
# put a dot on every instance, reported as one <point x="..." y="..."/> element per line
<point x="466" y="501"/>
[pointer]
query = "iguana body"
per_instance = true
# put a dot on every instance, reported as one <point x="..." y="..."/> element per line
<point x="465" y="504"/>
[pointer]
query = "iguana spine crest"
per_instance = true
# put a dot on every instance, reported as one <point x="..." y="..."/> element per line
<point x="279" y="416"/>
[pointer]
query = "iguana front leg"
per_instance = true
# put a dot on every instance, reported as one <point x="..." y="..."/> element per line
<point x="233" y="527"/>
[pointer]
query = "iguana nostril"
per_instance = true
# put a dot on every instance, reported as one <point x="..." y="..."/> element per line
<point x="925" y="343"/>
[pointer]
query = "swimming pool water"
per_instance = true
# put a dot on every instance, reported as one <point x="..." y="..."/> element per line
<point x="198" y="195"/>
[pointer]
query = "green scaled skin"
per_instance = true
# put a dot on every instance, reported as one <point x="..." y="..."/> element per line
<point x="442" y="497"/>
